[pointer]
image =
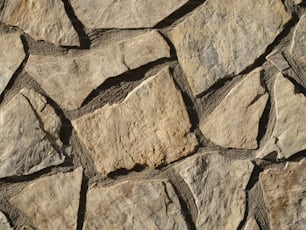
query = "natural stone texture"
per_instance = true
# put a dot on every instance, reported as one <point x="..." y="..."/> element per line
<point x="70" y="79"/>
<point x="251" y="225"/>
<point x="297" y="1"/>
<point x="234" y="122"/>
<point x="277" y="59"/>
<point x="149" y="204"/>
<point x="218" y="188"/>
<point x="124" y="14"/>
<point x="288" y="136"/>
<point x="52" y="202"/>
<point x="221" y="38"/>
<point x="11" y="56"/>
<point x="150" y="127"/>
<point x="4" y="225"/>
<point x="27" y="145"/>
<point x="42" y="19"/>
<point x="284" y="192"/>
<point x="298" y="47"/>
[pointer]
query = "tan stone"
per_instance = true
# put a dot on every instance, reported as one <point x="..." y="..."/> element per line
<point x="234" y="122"/>
<point x="70" y="79"/>
<point x="297" y="1"/>
<point x="298" y="46"/>
<point x="150" y="127"/>
<point x="277" y="59"/>
<point x="4" y="224"/>
<point x="251" y="225"/>
<point x="221" y="38"/>
<point x="149" y="204"/>
<point x="52" y="202"/>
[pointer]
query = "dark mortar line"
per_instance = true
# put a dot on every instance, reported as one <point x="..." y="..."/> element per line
<point x="298" y="88"/>
<point x="82" y="203"/>
<point x="123" y="172"/>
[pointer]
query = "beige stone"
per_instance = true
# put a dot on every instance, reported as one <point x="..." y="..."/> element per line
<point x="221" y="38"/>
<point x="218" y="187"/>
<point x="251" y="225"/>
<point x="298" y="46"/>
<point x="150" y="127"/>
<point x="284" y="190"/>
<point x="297" y="1"/>
<point x="234" y="122"/>
<point x="52" y="202"/>
<point x="149" y="204"/>
<point x="4" y="224"/>
<point x="70" y="79"/>
<point x="277" y="59"/>
<point x="42" y="19"/>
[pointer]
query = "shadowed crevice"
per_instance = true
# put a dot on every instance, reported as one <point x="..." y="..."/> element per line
<point x="82" y="204"/>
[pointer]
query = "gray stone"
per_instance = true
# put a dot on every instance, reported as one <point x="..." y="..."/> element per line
<point x="298" y="46"/>
<point x="4" y="224"/>
<point x="277" y="59"/>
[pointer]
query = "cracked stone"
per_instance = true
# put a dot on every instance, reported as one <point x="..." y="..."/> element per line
<point x="237" y="128"/>
<point x="298" y="46"/>
<point x="277" y="59"/>
<point x="150" y="127"/>
<point x="70" y="79"/>
<point x="4" y="224"/>
<point x="220" y="38"/>
<point x="251" y="225"/>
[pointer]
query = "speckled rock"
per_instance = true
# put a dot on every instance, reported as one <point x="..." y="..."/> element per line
<point x="4" y="224"/>
<point x="298" y="46"/>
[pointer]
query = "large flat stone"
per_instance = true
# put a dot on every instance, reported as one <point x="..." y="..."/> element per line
<point x="298" y="46"/>
<point x="238" y="127"/>
<point x="149" y="204"/>
<point x="220" y="38"/>
<point x="69" y="79"/>
<point x="4" y="224"/>
<point x="150" y="127"/>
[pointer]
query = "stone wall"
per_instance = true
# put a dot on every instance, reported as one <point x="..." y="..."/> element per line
<point x="153" y="114"/>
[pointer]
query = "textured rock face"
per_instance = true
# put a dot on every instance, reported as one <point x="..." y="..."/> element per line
<point x="149" y="204"/>
<point x="52" y="202"/>
<point x="278" y="60"/>
<point x="69" y="80"/>
<point x="298" y="47"/>
<point x="42" y="19"/>
<point x="251" y="225"/>
<point x="284" y="192"/>
<point x="4" y="225"/>
<point x="234" y="122"/>
<point x="221" y="38"/>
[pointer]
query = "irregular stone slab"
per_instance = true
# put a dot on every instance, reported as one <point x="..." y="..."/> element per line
<point x="251" y="225"/>
<point x="42" y="19"/>
<point x="218" y="188"/>
<point x="220" y="38"/>
<point x="124" y="14"/>
<point x="288" y="135"/>
<point x="150" y="127"/>
<point x="139" y="205"/>
<point x="12" y="55"/>
<point x="237" y="128"/>
<point x="277" y="59"/>
<point x="4" y="224"/>
<point x="284" y="192"/>
<point x="70" y="79"/>
<point x="52" y="202"/>
<point x="298" y="47"/>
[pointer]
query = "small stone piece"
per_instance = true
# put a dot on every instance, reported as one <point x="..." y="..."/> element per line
<point x="298" y="47"/>
<point x="298" y="1"/>
<point x="251" y="225"/>
<point x="4" y="224"/>
<point x="52" y="202"/>
<point x="124" y="14"/>
<point x="238" y="127"/>
<point x="277" y="59"/>
<point x="42" y="19"/>
<point x="69" y="79"/>
<point x="218" y="188"/>
<point x="11" y="56"/>
<point x="221" y="38"/>
<point x="284" y="190"/>
<point x="137" y="205"/>
<point x="150" y="127"/>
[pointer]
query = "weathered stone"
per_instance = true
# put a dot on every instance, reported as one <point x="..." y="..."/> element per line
<point x="297" y="1"/>
<point x="150" y="127"/>
<point x="221" y="38"/>
<point x="238" y="127"/>
<point x="218" y="188"/>
<point x="42" y="19"/>
<point x="284" y="192"/>
<point x="251" y="225"/>
<point x="52" y="202"/>
<point x="4" y="224"/>
<point x="288" y="136"/>
<point x="11" y="56"/>
<point x="298" y="46"/>
<point x="277" y="59"/>
<point x="124" y="14"/>
<point x="70" y="79"/>
<point x="139" y="205"/>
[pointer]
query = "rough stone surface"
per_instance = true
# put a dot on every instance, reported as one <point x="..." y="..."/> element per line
<point x="238" y="127"/>
<point x="284" y="192"/>
<point x="218" y="188"/>
<point x="277" y="59"/>
<point x="251" y="225"/>
<point x="52" y="202"/>
<point x="221" y="38"/>
<point x="298" y="1"/>
<point x="149" y="204"/>
<point x="4" y="225"/>
<point x="298" y="47"/>
<point x="150" y="127"/>
<point x="42" y="19"/>
<point x="69" y="80"/>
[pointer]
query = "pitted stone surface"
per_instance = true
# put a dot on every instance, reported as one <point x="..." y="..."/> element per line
<point x="298" y="47"/>
<point x="4" y="224"/>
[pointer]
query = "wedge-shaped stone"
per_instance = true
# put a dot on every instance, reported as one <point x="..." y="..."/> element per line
<point x="11" y="56"/>
<point x="218" y="188"/>
<point x="150" y="127"/>
<point x="42" y="19"/>
<point x="70" y="79"/>
<point x="284" y="192"/>
<point x="221" y="38"/>
<point x="251" y="225"/>
<point x="234" y="122"/>
<point x="298" y="47"/>
<point x="4" y="224"/>
<point x="149" y="204"/>
<point x="124" y="14"/>
<point x="277" y="59"/>
<point x="52" y="202"/>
